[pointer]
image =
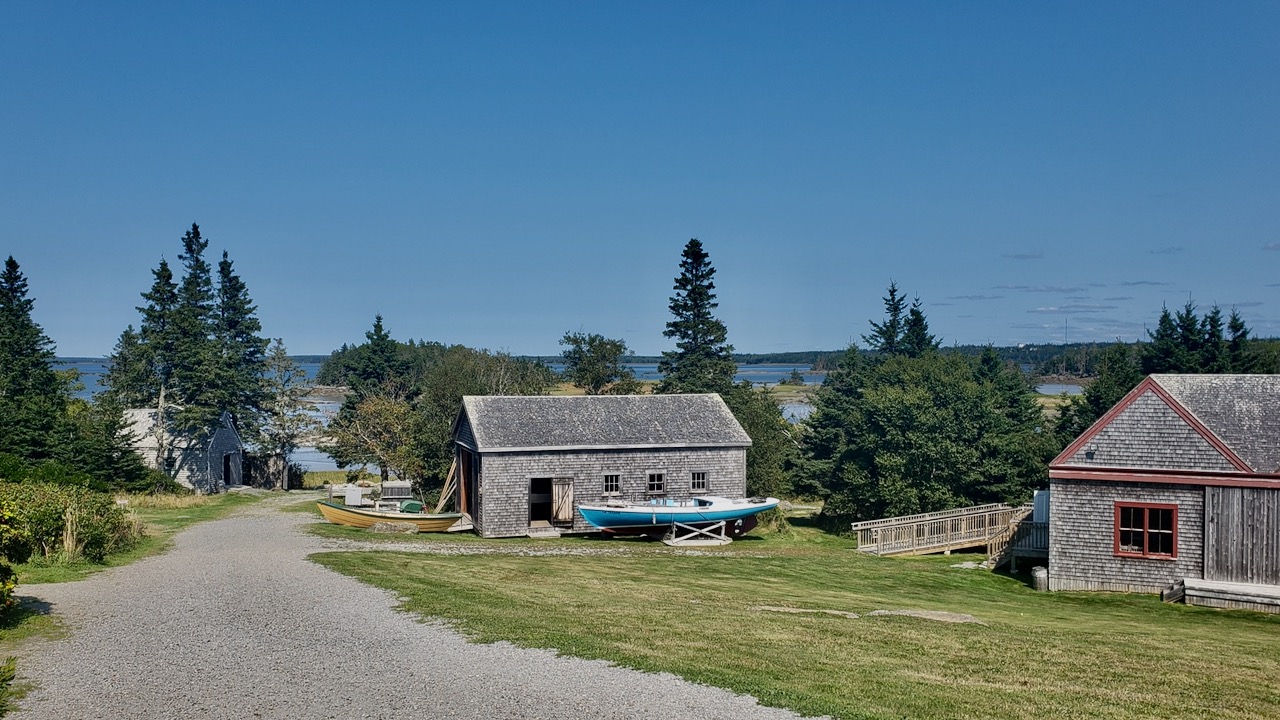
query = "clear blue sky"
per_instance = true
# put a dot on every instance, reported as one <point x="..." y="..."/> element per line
<point x="497" y="174"/>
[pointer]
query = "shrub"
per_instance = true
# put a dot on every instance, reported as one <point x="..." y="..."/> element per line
<point x="8" y="670"/>
<point x="63" y="524"/>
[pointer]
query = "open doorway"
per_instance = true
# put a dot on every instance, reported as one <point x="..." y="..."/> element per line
<point x="540" y="501"/>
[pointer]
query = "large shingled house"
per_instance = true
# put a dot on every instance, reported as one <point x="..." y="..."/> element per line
<point x="1176" y="489"/>
<point x="207" y="462"/>
<point x="525" y="462"/>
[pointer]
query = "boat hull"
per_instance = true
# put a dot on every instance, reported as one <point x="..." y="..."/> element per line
<point x="362" y="518"/>
<point x="648" y="518"/>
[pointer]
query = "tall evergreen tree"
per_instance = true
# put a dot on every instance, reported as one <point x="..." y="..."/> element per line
<point x="242" y="351"/>
<point x="32" y="398"/>
<point x="702" y="360"/>
<point x="1213" y="346"/>
<point x="1190" y="338"/>
<point x="197" y="358"/>
<point x="1240" y="356"/>
<point x="1164" y="354"/>
<point x="129" y="379"/>
<point x="886" y="337"/>
<point x="916" y="338"/>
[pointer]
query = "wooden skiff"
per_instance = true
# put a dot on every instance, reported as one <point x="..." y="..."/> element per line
<point x="363" y="517"/>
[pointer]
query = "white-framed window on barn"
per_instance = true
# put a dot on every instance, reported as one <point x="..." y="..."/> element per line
<point x="657" y="483"/>
<point x="698" y="482"/>
<point x="1146" y="530"/>
<point x="612" y="484"/>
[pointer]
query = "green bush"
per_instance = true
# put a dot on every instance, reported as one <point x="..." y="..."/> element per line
<point x="8" y="670"/>
<point x="58" y="523"/>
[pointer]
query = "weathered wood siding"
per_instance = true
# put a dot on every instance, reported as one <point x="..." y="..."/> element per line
<point x="504" y="480"/>
<point x="463" y="434"/>
<point x="1149" y="434"/>
<point x="1242" y="535"/>
<point x="1082" y="536"/>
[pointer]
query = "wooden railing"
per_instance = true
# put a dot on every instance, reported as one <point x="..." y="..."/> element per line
<point x="937" y="532"/>
<point x="1022" y="537"/>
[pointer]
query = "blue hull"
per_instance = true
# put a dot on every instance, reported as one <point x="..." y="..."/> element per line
<point x="661" y="513"/>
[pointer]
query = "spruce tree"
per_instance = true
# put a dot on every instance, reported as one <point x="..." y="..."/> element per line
<point x="1240" y="356"/>
<point x="1213" y="345"/>
<point x="197" y="357"/>
<point x="1163" y="354"/>
<point x="1190" y="339"/>
<point x="129" y="379"/>
<point x="32" y="398"/>
<point x="886" y="337"/>
<point x="702" y="360"/>
<point x="916" y="338"/>
<point x="242" y="351"/>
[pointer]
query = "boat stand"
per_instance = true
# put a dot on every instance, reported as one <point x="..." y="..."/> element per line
<point x="682" y="535"/>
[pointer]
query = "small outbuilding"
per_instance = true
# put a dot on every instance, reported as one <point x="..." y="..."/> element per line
<point x="1176" y="489"/>
<point x="524" y="462"/>
<point x="207" y="462"/>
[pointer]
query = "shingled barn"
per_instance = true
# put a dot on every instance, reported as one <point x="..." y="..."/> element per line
<point x="1176" y="490"/>
<point x="206" y="462"/>
<point x="524" y="462"/>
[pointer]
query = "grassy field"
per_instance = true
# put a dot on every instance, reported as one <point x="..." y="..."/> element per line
<point x="162" y="515"/>
<point x="1033" y="655"/>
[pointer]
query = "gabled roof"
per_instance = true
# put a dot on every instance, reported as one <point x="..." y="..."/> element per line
<point x="1207" y="424"/>
<point x="1241" y="410"/>
<point x="141" y="422"/>
<point x="599" y="422"/>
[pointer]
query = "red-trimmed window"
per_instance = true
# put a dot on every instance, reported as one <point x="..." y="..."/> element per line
<point x="1146" y="530"/>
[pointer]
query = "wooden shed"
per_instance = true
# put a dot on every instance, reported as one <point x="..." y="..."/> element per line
<point x="1176" y="489"/>
<point x="524" y="462"/>
<point x="207" y="462"/>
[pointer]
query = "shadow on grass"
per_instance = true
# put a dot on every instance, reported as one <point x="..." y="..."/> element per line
<point x="27" y="608"/>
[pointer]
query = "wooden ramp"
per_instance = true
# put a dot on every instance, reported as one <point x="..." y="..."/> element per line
<point x="941" y="531"/>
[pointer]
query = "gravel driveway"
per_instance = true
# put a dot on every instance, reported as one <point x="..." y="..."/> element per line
<point x="234" y="622"/>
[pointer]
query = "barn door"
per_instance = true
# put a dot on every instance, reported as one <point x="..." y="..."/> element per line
<point x="562" y="501"/>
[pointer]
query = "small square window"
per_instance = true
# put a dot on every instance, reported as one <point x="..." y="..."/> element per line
<point x="657" y="483"/>
<point x="612" y="484"/>
<point x="1146" y="530"/>
<point x="699" y="482"/>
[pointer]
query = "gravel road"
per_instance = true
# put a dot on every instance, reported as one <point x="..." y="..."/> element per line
<point x="234" y="622"/>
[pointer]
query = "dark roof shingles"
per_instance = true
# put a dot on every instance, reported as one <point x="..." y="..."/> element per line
<point x="1242" y="410"/>
<point x="542" y="421"/>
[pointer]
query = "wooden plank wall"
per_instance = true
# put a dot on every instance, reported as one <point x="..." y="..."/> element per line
<point x="1242" y="535"/>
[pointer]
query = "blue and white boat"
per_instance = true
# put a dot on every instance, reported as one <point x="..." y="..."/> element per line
<point x="659" y="514"/>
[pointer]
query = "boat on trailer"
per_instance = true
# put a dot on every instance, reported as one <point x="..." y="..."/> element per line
<point x="360" y="517"/>
<point x="660" y="515"/>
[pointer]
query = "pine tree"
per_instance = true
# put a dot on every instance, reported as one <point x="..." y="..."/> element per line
<point x="242" y="351"/>
<point x="1190" y="339"/>
<point x="129" y="379"/>
<point x="886" y="337"/>
<point x="196" y="368"/>
<point x="1163" y="354"/>
<point x="1213" y="345"/>
<point x="1240" y="356"/>
<point x="916" y="338"/>
<point x="32" y="398"/>
<point x="703" y="360"/>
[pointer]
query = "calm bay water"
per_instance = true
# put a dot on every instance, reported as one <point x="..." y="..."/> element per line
<point x="91" y="373"/>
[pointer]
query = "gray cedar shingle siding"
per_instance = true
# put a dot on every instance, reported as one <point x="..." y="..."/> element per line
<point x="582" y="439"/>
<point x="505" y="479"/>
<point x="197" y="458"/>
<point x="1228" y="513"/>
<point x="1149" y="434"/>
<point x="1082" y="536"/>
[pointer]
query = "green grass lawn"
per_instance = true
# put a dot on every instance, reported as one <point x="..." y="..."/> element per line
<point x="161" y="524"/>
<point x="1036" y="655"/>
